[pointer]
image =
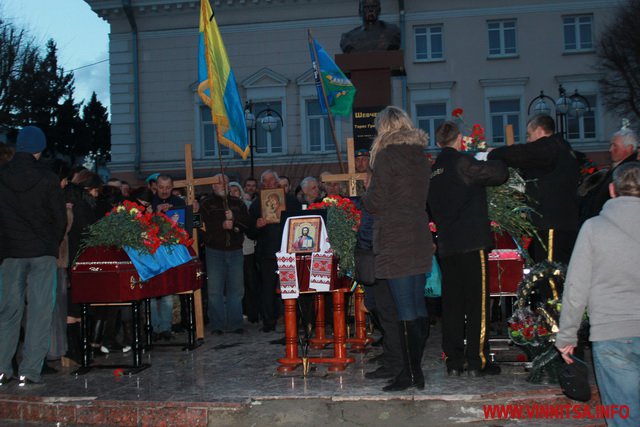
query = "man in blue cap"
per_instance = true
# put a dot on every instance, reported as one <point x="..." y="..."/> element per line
<point x="32" y="225"/>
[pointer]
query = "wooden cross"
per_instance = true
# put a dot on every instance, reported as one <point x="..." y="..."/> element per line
<point x="509" y="134"/>
<point x="190" y="183"/>
<point x="351" y="176"/>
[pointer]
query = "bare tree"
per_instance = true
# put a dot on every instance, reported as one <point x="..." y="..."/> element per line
<point x="619" y="60"/>
<point x="17" y="55"/>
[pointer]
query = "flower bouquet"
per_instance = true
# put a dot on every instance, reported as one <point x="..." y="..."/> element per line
<point x="153" y="242"/>
<point x="129" y="226"/>
<point x="343" y="220"/>
<point x="476" y="140"/>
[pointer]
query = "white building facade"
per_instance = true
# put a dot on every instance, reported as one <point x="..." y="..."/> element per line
<point x="489" y="57"/>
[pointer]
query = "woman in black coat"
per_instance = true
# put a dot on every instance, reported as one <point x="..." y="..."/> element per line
<point x="397" y="198"/>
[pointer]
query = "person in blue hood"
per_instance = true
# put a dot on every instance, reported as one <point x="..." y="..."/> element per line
<point x="32" y="225"/>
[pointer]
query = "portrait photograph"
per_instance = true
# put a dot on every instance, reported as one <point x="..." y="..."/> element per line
<point x="304" y="235"/>
<point x="272" y="204"/>
<point x="181" y="215"/>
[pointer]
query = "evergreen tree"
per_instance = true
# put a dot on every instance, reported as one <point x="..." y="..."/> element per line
<point x="96" y="130"/>
<point x="67" y="129"/>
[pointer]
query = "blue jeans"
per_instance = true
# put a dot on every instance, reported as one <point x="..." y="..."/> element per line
<point x="617" y="365"/>
<point x="225" y="288"/>
<point x="162" y="314"/>
<point x="35" y="278"/>
<point x="408" y="294"/>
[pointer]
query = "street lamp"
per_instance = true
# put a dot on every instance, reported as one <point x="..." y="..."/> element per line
<point x="250" y="119"/>
<point x="574" y="105"/>
<point x="268" y="118"/>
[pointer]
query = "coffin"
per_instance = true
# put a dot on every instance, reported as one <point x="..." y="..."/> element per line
<point x="303" y="268"/>
<point x="106" y="275"/>
<point x="506" y="265"/>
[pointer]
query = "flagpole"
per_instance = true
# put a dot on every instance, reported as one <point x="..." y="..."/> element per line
<point x="225" y="200"/>
<point x="326" y="101"/>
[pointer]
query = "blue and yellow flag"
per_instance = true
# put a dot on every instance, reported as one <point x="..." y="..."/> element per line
<point x="332" y="81"/>
<point x="217" y="86"/>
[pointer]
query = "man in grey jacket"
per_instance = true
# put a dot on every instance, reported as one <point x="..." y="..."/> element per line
<point x="604" y="278"/>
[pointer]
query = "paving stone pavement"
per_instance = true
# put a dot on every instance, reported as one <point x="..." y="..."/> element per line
<point x="231" y="380"/>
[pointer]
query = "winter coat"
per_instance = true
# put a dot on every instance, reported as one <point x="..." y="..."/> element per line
<point x="213" y="215"/>
<point x="552" y="173"/>
<point x="33" y="217"/>
<point x="603" y="275"/>
<point x="592" y="202"/>
<point x="458" y="200"/>
<point x="397" y="199"/>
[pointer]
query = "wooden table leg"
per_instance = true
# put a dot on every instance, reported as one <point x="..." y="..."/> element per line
<point x="360" y="340"/>
<point x="320" y="339"/>
<point x="291" y="360"/>
<point x="339" y="334"/>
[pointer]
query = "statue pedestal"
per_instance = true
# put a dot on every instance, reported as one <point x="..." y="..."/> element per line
<point x="371" y="73"/>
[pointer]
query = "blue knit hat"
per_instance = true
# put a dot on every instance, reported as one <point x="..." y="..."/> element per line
<point x="31" y="140"/>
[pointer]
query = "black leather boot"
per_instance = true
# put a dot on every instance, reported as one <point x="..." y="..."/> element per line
<point x="411" y="374"/>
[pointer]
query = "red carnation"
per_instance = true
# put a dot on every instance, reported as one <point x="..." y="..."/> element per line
<point x="457" y="112"/>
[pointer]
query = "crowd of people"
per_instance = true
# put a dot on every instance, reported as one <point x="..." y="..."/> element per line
<point x="50" y="207"/>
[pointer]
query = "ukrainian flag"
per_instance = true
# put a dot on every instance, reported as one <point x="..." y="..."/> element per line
<point x="217" y="86"/>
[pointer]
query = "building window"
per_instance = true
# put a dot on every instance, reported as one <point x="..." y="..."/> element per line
<point x="319" y="136"/>
<point x="268" y="142"/>
<point x="210" y="144"/>
<point x="502" y="38"/>
<point x="429" y="43"/>
<point x="429" y="117"/>
<point x="577" y="32"/>
<point x="504" y="112"/>
<point x="583" y="128"/>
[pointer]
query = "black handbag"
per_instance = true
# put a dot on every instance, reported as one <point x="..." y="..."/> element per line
<point x="365" y="267"/>
<point x="574" y="380"/>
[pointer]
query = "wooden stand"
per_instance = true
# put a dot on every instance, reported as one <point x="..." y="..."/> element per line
<point x="339" y="361"/>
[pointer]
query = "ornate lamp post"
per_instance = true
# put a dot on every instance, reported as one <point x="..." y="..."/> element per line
<point x="250" y="119"/>
<point x="269" y="120"/>
<point x="574" y="105"/>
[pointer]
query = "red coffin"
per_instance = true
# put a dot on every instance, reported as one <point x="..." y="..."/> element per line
<point x="106" y="275"/>
<point x="505" y="266"/>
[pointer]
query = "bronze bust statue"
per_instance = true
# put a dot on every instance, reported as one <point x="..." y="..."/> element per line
<point x="373" y="35"/>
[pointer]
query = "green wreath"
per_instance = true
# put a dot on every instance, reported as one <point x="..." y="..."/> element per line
<point x="534" y="323"/>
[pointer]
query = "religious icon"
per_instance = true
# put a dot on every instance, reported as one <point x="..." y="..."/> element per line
<point x="272" y="203"/>
<point x="304" y="235"/>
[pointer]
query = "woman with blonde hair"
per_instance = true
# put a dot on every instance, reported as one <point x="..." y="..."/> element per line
<point x="401" y="238"/>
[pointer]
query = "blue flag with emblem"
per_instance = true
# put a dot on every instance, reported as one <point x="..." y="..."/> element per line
<point x="332" y="81"/>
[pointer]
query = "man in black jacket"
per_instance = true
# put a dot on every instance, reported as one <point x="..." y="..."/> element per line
<point x="268" y="238"/>
<point x="458" y="204"/>
<point x="225" y="218"/>
<point x="623" y="149"/>
<point x="32" y="224"/>
<point x="551" y="170"/>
